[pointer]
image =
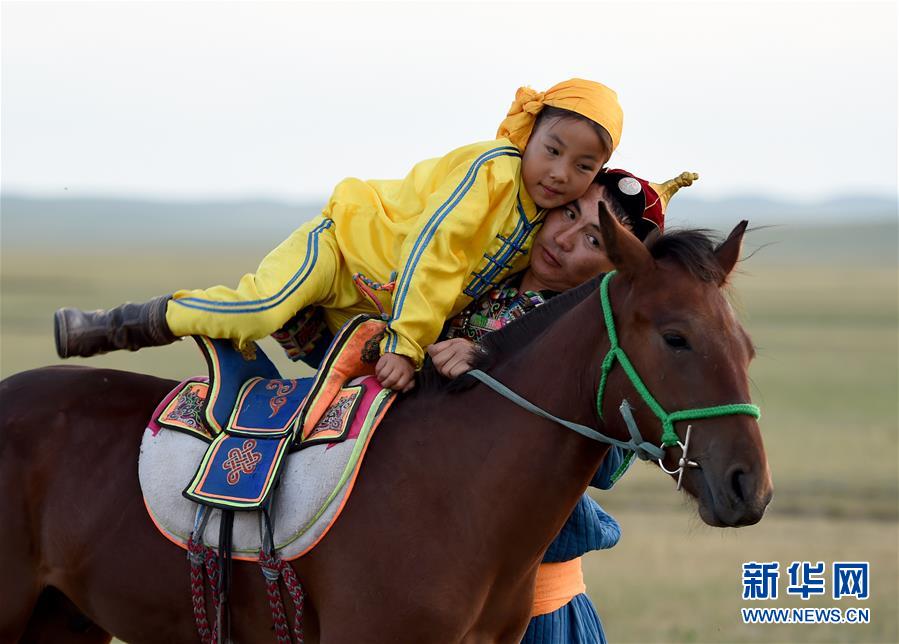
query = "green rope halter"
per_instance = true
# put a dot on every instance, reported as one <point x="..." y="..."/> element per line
<point x="638" y="446"/>
<point x="669" y="436"/>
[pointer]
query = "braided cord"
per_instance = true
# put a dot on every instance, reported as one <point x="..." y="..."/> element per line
<point x="274" y="569"/>
<point x="212" y="573"/>
<point x="196" y="554"/>
<point x="295" y="589"/>
<point x="271" y="571"/>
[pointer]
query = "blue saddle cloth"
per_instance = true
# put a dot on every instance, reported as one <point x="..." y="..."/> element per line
<point x="253" y="414"/>
<point x="229" y="372"/>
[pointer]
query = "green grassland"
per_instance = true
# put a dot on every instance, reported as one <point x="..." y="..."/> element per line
<point x="821" y="307"/>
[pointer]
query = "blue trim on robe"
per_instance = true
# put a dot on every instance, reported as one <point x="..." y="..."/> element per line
<point x="256" y="306"/>
<point x="427" y="233"/>
<point x="481" y="282"/>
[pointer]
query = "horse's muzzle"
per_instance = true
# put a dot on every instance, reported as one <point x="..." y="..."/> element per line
<point x="735" y="498"/>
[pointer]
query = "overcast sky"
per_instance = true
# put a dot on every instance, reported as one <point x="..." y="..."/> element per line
<point x="227" y="100"/>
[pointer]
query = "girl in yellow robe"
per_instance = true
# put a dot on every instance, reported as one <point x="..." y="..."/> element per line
<point x="423" y="246"/>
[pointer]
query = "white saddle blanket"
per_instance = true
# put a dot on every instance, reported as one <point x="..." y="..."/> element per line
<point x="314" y="486"/>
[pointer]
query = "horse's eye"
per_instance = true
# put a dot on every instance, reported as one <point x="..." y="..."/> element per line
<point x="676" y="341"/>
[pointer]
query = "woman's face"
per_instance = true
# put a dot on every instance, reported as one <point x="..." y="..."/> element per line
<point x="568" y="249"/>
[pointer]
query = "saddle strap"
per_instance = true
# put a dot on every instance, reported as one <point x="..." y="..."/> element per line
<point x="223" y="589"/>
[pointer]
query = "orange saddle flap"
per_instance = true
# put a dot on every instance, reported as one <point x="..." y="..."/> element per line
<point x="353" y="353"/>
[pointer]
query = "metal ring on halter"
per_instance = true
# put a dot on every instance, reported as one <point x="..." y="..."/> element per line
<point x="682" y="462"/>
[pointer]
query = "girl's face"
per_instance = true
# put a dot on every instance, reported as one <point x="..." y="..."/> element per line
<point x="568" y="249"/>
<point x="560" y="161"/>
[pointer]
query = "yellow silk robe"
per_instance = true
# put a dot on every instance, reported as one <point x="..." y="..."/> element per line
<point x="448" y="232"/>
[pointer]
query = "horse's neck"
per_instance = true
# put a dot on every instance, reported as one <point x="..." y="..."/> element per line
<point x="551" y="466"/>
<point x="559" y="370"/>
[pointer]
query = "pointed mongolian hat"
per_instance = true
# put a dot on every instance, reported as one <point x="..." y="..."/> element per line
<point x="644" y="202"/>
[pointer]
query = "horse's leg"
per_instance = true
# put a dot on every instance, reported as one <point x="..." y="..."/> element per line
<point x="56" y="620"/>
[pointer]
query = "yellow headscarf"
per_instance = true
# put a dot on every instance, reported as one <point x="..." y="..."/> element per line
<point x="588" y="98"/>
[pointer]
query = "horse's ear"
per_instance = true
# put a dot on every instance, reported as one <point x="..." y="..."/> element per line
<point x="625" y="251"/>
<point x="728" y="253"/>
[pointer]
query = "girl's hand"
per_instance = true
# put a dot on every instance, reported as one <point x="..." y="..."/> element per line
<point x="395" y="372"/>
<point x="453" y="357"/>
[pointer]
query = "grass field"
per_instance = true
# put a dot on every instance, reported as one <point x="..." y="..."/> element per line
<point x="825" y="378"/>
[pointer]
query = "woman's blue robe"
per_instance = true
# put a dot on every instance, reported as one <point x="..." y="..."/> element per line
<point x="588" y="528"/>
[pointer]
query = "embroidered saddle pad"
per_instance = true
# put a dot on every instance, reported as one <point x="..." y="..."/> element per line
<point x="235" y="429"/>
<point x="241" y="465"/>
<point x="253" y="417"/>
<point x="314" y="485"/>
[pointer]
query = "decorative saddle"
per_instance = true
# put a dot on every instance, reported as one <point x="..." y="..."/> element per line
<point x="283" y="453"/>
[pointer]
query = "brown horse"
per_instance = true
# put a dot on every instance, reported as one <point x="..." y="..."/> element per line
<point x="461" y="492"/>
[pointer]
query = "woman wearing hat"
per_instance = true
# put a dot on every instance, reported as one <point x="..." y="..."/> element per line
<point x="567" y="251"/>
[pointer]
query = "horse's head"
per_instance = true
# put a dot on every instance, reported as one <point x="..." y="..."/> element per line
<point x="682" y="337"/>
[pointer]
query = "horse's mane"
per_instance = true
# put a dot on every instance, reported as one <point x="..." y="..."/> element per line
<point x="693" y="249"/>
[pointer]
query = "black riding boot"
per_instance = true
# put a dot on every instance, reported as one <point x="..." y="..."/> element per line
<point x="127" y="326"/>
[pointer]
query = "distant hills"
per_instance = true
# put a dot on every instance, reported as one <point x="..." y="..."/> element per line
<point x="72" y="223"/>
<point x="723" y="213"/>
